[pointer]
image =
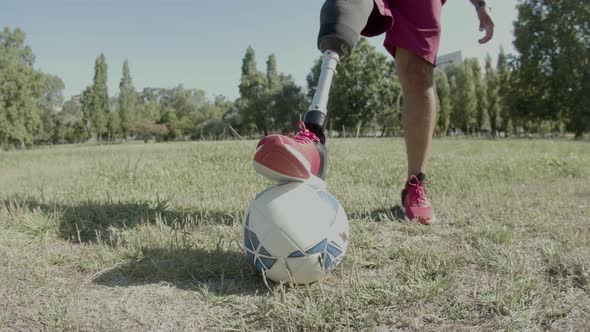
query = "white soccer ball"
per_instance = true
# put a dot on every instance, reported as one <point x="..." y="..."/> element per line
<point x="295" y="232"/>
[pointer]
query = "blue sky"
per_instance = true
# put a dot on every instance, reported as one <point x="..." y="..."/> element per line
<point x="198" y="43"/>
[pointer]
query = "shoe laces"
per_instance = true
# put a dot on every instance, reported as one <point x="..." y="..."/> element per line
<point x="304" y="135"/>
<point x="416" y="191"/>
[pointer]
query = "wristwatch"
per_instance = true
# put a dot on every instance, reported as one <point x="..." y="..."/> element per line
<point x="480" y="4"/>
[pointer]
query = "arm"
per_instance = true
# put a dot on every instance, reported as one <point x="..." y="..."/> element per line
<point x="485" y="20"/>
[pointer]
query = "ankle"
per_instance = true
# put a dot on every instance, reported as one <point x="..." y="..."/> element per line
<point x="421" y="176"/>
<point x="317" y="130"/>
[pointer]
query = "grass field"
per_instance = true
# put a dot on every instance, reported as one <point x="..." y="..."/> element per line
<point x="147" y="237"/>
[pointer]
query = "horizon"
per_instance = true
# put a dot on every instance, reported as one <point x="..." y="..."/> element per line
<point x="163" y="56"/>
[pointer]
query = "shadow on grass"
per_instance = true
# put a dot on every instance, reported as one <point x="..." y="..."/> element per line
<point x="394" y="213"/>
<point x="220" y="270"/>
<point x="91" y="221"/>
<point x="217" y="272"/>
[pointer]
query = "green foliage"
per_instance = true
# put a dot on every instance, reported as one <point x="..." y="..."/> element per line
<point x="288" y="103"/>
<point x="271" y="102"/>
<point x="49" y="105"/>
<point x="365" y="92"/>
<point x="209" y="121"/>
<point x="273" y="82"/>
<point x="21" y="90"/>
<point x="553" y="43"/>
<point x="170" y="120"/>
<point x="507" y="91"/>
<point x="147" y="129"/>
<point x="545" y="88"/>
<point x="493" y="95"/>
<point x="127" y="101"/>
<point x="182" y="112"/>
<point x="253" y="92"/>
<point x="443" y="91"/>
<point x="70" y="125"/>
<point x="465" y="101"/>
<point x="481" y="115"/>
<point x="113" y="125"/>
<point x="95" y="100"/>
<point x="388" y="102"/>
<point x="148" y="107"/>
<point x="52" y="98"/>
<point x="580" y="114"/>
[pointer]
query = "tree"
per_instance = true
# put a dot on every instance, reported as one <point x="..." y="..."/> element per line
<point x="95" y="100"/>
<point x="464" y="112"/>
<point x="481" y="114"/>
<point x="580" y="115"/>
<point x="493" y="95"/>
<point x="211" y="123"/>
<point x="148" y="129"/>
<point x="273" y="81"/>
<point x="452" y="73"/>
<point x="69" y="124"/>
<point x="186" y="104"/>
<point x="102" y="96"/>
<point x="178" y="112"/>
<point x="272" y="89"/>
<point x="88" y="101"/>
<point x="52" y="97"/>
<point x="170" y="119"/>
<point x="443" y="90"/>
<point x="113" y="125"/>
<point x="149" y="110"/>
<point x="127" y="101"/>
<point x="388" y="100"/>
<point x="49" y="105"/>
<point x="251" y="102"/>
<point x="553" y="43"/>
<point x="504" y="92"/>
<point x="364" y="90"/>
<point x="288" y="104"/>
<point x="21" y="87"/>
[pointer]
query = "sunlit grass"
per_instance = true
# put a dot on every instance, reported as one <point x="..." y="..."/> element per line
<point x="147" y="237"/>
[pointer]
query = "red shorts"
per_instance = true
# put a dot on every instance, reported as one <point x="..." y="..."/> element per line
<point x="410" y="24"/>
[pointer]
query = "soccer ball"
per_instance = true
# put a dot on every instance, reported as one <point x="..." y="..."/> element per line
<point x="295" y="232"/>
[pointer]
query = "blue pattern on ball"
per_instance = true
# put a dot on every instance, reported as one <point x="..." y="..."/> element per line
<point x="264" y="252"/>
<point x="268" y="262"/>
<point x="318" y="247"/>
<point x="250" y="256"/>
<point x="334" y="249"/>
<point x="259" y="265"/>
<point x="297" y="253"/>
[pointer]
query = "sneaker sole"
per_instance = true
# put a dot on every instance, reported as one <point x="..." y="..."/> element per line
<point x="293" y="165"/>
<point x="422" y="221"/>
<point x="274" y="175"/>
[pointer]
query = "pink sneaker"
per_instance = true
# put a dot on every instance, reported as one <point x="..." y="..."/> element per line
<point x="415" y="204"/>
<point x="298" y="158"/>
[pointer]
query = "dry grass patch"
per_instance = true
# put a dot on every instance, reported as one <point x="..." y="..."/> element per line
<point x="148" y="237"/>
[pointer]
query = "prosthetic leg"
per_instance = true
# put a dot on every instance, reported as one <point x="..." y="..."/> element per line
<point x="304" y="156"/>
<point x="341" y="23"/>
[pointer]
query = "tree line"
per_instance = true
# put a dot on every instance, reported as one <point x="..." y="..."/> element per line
<point x="544" y="88"/>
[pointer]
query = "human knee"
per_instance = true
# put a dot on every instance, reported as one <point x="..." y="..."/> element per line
<point x="341" y="23"/>
<point x="414" y="72"/>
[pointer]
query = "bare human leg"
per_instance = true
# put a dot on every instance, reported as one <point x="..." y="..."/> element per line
<point x="419" y="116"/>
<point x="416" y="77"/>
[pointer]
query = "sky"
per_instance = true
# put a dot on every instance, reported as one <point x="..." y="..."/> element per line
<point x="200" y="44"/>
